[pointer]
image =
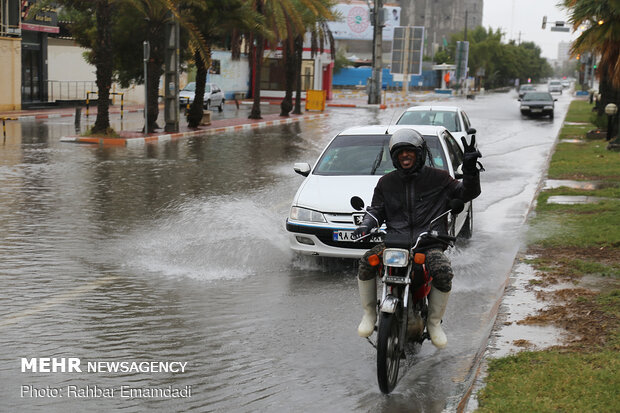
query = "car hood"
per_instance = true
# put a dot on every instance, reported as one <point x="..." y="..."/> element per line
<point x="333" y="193"/>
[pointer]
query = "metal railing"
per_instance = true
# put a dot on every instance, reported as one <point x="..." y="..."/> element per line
<point x="69" y="89"/>
<point x="88" y="93"/>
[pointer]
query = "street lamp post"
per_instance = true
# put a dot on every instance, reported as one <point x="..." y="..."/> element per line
<point x="146" y="56"/>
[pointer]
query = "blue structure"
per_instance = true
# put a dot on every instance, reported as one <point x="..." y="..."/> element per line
<point x="358" y="76"/>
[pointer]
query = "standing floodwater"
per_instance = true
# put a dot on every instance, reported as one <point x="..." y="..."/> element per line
<point x="178" y="253"/>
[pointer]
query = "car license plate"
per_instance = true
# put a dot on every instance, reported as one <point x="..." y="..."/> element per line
<point x="340" y="235"/>
<point x="536" y="110"/>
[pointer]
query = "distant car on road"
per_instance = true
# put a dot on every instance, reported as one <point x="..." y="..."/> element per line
<point x="537" y="104"/>
<point x="452" y="118"/>
<point x="526" y="88"/>
<point x="214" y="96"/>
<point x="554" y="86"/>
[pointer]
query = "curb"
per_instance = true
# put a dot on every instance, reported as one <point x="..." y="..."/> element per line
<point x="140" y="141"/>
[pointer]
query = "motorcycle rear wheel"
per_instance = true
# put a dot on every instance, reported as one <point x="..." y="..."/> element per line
<point x="389" y="351"/>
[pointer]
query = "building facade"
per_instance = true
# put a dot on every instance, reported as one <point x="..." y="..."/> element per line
<point x="441" y="18"/>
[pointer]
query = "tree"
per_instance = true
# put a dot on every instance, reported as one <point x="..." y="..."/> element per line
<point x="214" y="20"/>
<point x="91" y="27"/>
<point x="319" y="34"/>
<point x="502" y="63"/>
<point x="142" y="20"/>
<point x="285" y="18"/>
<point x="601" y="19"/>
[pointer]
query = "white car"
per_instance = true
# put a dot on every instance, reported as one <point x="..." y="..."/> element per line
<point x="452" y="118"/>
<point x="214" y="96"/>
<point x="554" y="86"/>
<point x="321" y="218"/>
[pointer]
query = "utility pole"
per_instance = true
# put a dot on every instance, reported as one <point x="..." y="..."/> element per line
<point x="171" y="75"/>
<point x="377" y="20"/>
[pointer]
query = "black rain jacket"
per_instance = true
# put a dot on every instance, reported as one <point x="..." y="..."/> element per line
<point x="408" y="203"/>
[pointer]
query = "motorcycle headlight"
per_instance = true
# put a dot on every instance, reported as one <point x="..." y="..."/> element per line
<point x="395" y="257"/>
<point x="308" y="215"/>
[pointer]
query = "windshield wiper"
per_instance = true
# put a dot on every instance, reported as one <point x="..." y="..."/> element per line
<point x="377" y="161"/>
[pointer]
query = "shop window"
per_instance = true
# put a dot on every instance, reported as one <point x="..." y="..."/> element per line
<point x="273" y="75"/>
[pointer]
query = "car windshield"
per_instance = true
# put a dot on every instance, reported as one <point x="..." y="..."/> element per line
<point x="537" y="96"/>
<point x="190" y="87"/>
<point x="527" y="87"/>
<point x="368" y="155"/>
<point x="430" y="117"/>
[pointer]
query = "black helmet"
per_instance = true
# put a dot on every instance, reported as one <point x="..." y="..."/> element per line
<point x="408" y="139"/>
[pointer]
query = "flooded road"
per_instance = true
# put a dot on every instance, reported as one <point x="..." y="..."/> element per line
<point x="177" y="253"/>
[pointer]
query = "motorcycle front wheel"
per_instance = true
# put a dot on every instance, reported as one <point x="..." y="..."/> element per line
<point x="389" y="350"/>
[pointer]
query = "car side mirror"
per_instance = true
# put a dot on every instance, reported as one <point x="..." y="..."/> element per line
<point x="357" y="203"/>
<point x="555" y="100"/>
<point x="302" y="168"/>
<point x="471" y="131"/>
<point x="519" y="99"/>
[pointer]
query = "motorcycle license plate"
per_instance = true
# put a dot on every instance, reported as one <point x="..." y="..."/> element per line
<point x="395" y="280"/>
<point x="346" y="236"/>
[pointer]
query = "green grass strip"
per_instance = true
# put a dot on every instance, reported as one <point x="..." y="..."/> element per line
<point x="550" y="381"/>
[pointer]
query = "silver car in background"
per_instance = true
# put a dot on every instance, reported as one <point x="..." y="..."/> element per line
<point x="452" y="118"/>
<point x="555" y="86"/>
<point x="214" y="96"/>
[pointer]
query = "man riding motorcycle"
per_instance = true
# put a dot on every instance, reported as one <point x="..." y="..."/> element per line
<point x="407" y="199"/>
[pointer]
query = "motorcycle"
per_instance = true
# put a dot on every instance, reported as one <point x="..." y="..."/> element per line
<point x="403" y="307"/>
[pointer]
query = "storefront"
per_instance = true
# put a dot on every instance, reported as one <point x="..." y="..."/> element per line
<point x="35" y="28"/>
<point x="316" y="72"/>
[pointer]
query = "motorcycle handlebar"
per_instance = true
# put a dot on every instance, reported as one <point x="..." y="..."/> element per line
<point x="376" y="232"/>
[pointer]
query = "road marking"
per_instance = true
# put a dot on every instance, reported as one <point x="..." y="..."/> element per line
<point x="58" y="299"/>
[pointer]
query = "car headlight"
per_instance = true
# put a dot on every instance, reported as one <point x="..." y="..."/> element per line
<point x="548" y="107"/>
<point x="395" y="257"/>
<point x="525" y="107"/>
<point x="304" y="214"/>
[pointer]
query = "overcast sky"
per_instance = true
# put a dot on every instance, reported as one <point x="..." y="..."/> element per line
<point x="524" y="18"/>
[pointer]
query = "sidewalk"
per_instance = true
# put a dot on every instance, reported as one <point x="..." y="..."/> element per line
<point x="341" y="99"/>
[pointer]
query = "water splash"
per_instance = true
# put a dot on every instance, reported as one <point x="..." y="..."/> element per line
<point x="213" y="239"/>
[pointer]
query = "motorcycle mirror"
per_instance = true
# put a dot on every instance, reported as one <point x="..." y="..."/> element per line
<point x="357" y="203"/>
<point x="457" y="206"/>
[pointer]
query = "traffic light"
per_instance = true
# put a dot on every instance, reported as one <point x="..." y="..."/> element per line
<point x="578" y="57"/>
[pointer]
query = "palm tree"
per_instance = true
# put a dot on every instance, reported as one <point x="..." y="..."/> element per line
<point x="319" y="35"/>
<point x="214" y="20"/>
<point x="285" y="18"/>
<point x="601" y="19"/>
<point x="83" y="16"/>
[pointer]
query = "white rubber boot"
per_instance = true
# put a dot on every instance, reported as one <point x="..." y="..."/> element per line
<point x="368" y="295"/>
<point x="437" y="302"/>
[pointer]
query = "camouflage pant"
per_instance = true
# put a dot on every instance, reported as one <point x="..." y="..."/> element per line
<point x="436" y="261"/>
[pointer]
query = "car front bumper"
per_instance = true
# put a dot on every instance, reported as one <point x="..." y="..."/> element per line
<point x="309" y="239"/>
<point x="536" y="112"/>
